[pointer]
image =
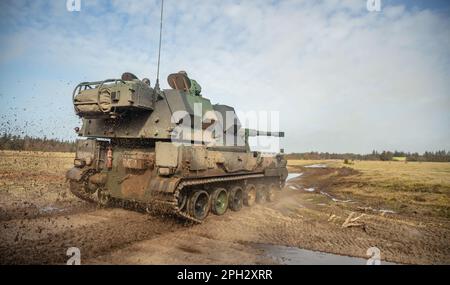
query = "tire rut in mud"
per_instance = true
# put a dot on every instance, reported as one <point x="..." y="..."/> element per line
<point x="45" y="240"/>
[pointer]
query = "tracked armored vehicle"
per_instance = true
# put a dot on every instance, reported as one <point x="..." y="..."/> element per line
<point x="167" y="151"/>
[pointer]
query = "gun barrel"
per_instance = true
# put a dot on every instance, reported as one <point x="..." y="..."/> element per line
<point x="256" y="133"/>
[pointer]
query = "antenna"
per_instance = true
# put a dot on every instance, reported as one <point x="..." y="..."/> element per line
<point x="159" y="50"/>
<point x="159" y="56"/>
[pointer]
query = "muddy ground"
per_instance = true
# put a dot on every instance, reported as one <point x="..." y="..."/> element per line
<point x="40" y="220"/>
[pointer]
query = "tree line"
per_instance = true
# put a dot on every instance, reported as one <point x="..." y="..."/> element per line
<point x="433" y="156"/>
<point x="27" y="143"/>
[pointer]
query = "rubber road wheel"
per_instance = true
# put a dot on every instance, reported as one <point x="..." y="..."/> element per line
<point x="261" y="193"/>
<point x="219" y="201"/>
<point x="198" y="204"/>
<point x="250" y="195"/>
<point x="182" y="200"/>
<point x="236" y="198"/>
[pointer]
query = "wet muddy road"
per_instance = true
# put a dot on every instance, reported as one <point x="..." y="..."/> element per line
<point x="40" y="220"/>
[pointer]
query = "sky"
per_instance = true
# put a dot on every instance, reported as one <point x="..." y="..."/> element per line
<point x="342" y="78"/>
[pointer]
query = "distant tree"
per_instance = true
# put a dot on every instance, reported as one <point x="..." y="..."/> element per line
<point x="27" y="143"/>
<point x="437" y="156"/>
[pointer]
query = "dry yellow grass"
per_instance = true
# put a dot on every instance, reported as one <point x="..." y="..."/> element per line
<point x="35" y="180"/>
<point x="37" y="161"/>
<point x="429" y="173"/>
<point x="412" y="187"/>
<point x="304" y="162"/>
<point x="411" y="172"/>
<point x="415" y="187"/>
<point x="420" y="188"/>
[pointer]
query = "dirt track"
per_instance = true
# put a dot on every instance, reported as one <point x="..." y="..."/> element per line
<point x="39" y="223"/>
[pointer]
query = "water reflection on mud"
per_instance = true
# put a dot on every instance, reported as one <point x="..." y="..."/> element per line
<point x="297" y="256"/>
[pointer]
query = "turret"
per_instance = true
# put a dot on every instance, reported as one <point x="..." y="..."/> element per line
<point x="112" y="97"/>
<point x="128" y="108"/>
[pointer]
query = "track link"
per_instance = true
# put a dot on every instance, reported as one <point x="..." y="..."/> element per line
<point x="204" y="181"/>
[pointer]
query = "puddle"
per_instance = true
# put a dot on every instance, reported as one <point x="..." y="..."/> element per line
<point x="296" y="187"/>
<point x="293" y="175"/>
<point x="292" y="186"/>
<point x="316" y="166"/>
<point x="296" y="256"/>
<point x="387" y="211"/>
<point x="335" y="199"/>
<point x="383" y="211"/>
<point x="50" y="209"/>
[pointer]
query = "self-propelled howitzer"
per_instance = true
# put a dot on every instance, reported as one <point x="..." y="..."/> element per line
<point x="168" y="151"/>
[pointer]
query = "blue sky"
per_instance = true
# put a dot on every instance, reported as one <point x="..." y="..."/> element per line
<point x="344" y="79"/>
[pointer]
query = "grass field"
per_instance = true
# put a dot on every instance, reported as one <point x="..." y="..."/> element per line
<point x="403" y="208"/>
<point x="412" y="188"/>
<point x="417" y="188"/>
<point x="49" y="162"/>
